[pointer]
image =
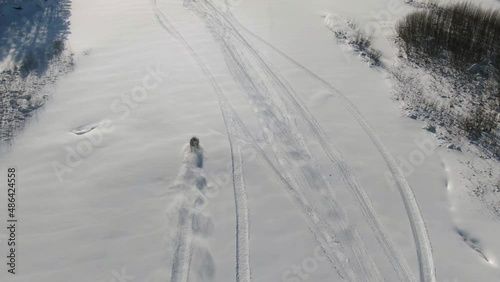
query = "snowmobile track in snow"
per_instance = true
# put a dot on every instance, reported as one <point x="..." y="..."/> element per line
<point x="419" y="230"/>
<point x="397" y="260"/>
<point x="243" y="273"/>
<point x="192" y="225"/>
<point x="182" y="252"/>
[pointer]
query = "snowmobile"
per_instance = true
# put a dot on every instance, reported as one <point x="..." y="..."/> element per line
<point x="194" y="143"/>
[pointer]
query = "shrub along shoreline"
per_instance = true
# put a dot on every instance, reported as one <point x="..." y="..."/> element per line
<point x="461" y="43"/>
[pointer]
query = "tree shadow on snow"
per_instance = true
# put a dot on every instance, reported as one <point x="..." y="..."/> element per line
<point x="33" y="32"/>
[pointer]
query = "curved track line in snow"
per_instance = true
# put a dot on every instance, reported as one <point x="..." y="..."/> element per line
<point x="242" y="218"/>
<point x="240" y="199"/>
<point x="417" y="223"/>
<point x="243" y="273"/>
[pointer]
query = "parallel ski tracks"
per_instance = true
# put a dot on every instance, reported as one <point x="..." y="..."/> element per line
<point x="243" y="272"/>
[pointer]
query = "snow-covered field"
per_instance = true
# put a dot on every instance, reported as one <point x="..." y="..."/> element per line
<point x="307" y="170"/>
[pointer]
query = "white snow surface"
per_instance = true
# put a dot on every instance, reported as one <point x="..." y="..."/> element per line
<point x="308" y="171"/>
